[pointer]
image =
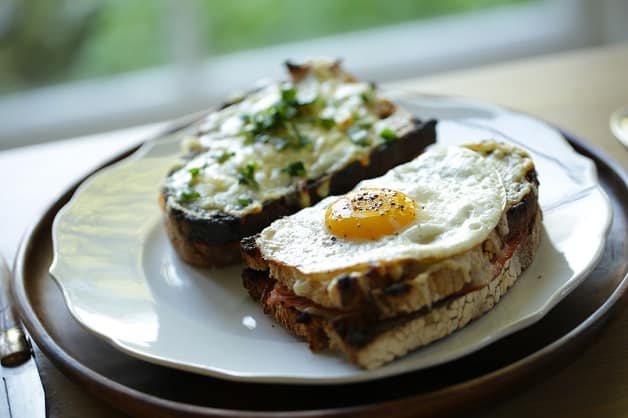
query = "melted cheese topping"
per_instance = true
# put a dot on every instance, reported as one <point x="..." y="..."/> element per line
<point x="242" y="157"/>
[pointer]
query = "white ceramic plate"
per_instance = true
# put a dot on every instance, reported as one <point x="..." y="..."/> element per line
<point x="123" y="282"/>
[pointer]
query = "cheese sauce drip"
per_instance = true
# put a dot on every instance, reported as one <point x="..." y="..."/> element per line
<point x="370" y="214"/>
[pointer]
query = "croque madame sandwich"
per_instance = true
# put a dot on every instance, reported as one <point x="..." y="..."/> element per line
<point x="404" y="259"/>
<point x="279" y="149"/>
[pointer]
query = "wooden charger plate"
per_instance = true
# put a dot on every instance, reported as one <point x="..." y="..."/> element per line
<point x="139" y="388"/>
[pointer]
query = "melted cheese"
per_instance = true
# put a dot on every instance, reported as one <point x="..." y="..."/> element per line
<point x="224" y="146"/>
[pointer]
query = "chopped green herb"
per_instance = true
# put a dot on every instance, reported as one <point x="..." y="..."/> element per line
<point x="365" y="97"/>
<point x="222" y="157"/>
<point x="268" y="119"/>
<point x="286" y="110"/>
<point x="276" y="124"/>
<point x="358" y="135"/>
<point x="246" y="175"/>
<point x="288" y="93"/>
<point x="244" y="201"/>
<point x="296" y="169"/>
<point x="194" y="173"/>
<point x="388" y="134"/>
<point x="189" y="195"/>
<point x="301" y="140"/>
<point x="327" y="123"/>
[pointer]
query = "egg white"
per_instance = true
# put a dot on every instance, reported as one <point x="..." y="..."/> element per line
<point x="460" y="199"/>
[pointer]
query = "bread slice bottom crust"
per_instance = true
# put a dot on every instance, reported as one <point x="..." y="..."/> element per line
<point x="408" y="332"/>
<point x="199" y="253"/>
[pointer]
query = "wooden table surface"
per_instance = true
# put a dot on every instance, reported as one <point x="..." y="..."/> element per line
<point x="576" y="91"/>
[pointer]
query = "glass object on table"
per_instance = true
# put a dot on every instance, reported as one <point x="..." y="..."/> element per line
<point x="619" y="124"/>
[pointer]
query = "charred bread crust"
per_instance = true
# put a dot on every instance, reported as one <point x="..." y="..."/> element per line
<point x="301" y="324"/>
<point x="369" y="327"/>
<point x="212" y="239"/>
<point x="197" y="252"/>
<point x="370" y="342"/>
<point x="397" y="338"/>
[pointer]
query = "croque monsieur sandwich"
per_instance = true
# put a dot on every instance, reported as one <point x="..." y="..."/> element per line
<point x="279" y="149"/>
<point x="403" y="259"/>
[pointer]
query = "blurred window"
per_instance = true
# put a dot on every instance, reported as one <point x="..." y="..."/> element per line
<point x="53" y="41"/>
<point x="73" y="67"/>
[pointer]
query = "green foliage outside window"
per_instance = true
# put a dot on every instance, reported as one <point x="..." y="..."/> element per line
<point x="51" y="41"/>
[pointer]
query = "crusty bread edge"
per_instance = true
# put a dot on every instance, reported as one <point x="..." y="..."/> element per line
<point x="447" y="318"/>
<point x="197" y="253"/>
<point x="201" y="254"/>
<point x="421" y="330"/>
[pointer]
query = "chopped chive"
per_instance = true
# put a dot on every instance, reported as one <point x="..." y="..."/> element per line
<point x="288" y="93"/>
<point x="327" y="123"/>
<point x="222" y="157"/>
<point x="296" y="169"/>
<point x="278" y="124"/>
<point x="189" y="195"/>
<point x="301" y="140"/>
<point x="288" y="112"/>
<point x="246" y="175"/>
<point x="194" y="173"/>
<point x="388" y="134"/>
<point x="244" y="201"/>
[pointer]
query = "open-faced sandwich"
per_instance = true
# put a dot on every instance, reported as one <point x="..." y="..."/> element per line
<point x="404" y="259"/>
<point x="279" y="149"/>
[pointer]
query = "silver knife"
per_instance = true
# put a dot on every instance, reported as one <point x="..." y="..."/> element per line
<point x="21" y="393"/>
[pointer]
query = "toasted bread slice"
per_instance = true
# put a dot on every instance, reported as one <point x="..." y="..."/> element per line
<point x="384" y="311"/>
<point x="370" y="342"/>
<point x="279" y="149"/>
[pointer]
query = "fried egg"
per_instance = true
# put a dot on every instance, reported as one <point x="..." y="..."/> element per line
<point x="444" y="202"/>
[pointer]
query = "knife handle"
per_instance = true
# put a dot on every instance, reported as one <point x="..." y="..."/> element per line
<point x="14" y="347"/>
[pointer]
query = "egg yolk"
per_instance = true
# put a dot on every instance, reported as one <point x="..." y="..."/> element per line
<point x="370" y="214"/>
